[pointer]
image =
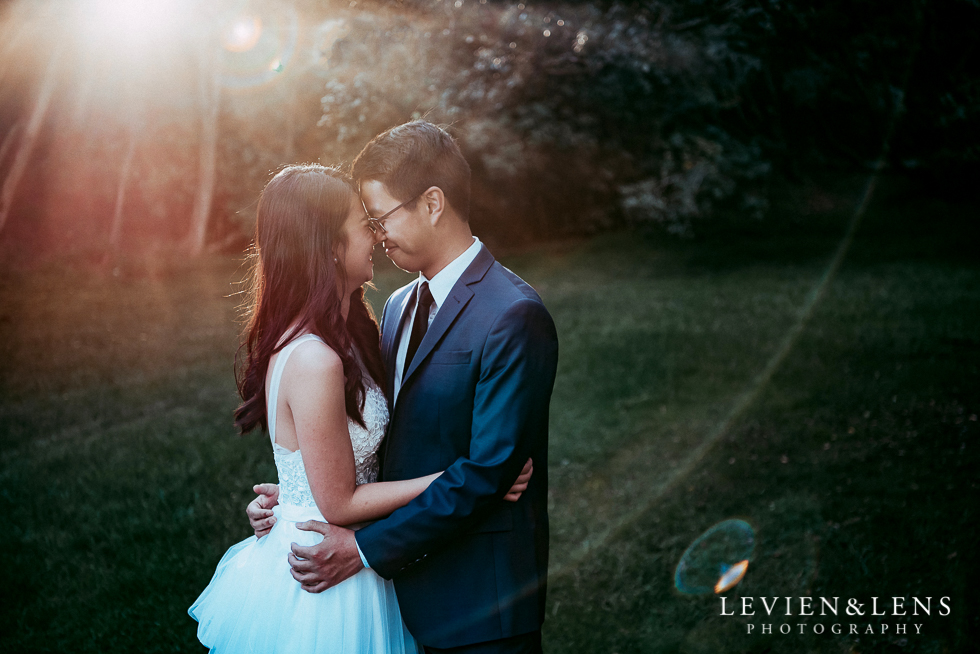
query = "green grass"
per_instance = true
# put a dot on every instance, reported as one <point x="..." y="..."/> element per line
<point x="856" y="463"/>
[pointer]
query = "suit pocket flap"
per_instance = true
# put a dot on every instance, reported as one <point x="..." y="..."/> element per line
<point x="451" y="356"/>
<point x="499" y="520"/>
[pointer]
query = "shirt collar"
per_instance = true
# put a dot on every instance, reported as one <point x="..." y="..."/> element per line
<point x="443" y="281"/>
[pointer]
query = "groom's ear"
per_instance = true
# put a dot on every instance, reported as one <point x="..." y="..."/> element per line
<point x="434" y="204"/>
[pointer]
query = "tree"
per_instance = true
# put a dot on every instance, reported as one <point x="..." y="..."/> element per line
<point x="115" y="232"/>
<point x="27" y="141"/>
<point x="209" y="89"/>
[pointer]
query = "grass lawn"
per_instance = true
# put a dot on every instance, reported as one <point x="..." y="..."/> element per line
<point x="854" y="458"/>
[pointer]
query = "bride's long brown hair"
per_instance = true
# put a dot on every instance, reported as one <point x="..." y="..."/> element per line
<point x="295" y="280"/>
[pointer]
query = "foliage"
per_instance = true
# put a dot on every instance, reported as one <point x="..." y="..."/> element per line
<point x="697" y="174"/>
<point x="835" y="76"/>
<point x="557" y="107"/>
<point x="583" y="116"/>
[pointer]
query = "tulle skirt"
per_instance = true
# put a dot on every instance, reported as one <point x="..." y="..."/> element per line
<point x="254" y="605"/>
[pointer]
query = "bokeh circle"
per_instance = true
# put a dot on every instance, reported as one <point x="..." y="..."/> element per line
<point x="717" y="559"/>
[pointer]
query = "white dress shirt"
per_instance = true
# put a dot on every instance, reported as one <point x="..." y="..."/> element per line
<point x="439" y="286"/>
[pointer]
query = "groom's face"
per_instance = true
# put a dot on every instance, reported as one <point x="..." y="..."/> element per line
<point x="406" y="234"/>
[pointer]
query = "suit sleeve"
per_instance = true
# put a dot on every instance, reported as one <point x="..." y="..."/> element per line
<point x="510" y="420"/>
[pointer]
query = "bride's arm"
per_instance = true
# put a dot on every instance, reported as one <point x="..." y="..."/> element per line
<point x="314" y="392"/>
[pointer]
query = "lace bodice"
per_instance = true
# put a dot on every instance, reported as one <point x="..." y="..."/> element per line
<point x="294" y="487"/>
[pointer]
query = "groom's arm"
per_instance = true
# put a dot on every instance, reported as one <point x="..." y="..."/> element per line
<point x="510" y="418"/>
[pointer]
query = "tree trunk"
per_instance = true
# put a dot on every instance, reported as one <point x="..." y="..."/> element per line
<point x="115" y="234"/>
<point x="26" y="146"/>
<point x="15" y="23"/>
<point x="210" y="91"/>
<point x="84" y="81"/>
<point x="290" y="150"/>
<point x="8" y="142"/>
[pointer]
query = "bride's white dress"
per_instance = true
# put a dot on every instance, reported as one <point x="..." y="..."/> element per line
<point x="254" y="605"/>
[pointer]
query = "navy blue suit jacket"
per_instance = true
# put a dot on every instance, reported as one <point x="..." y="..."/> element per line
<point x="468" y="566"/>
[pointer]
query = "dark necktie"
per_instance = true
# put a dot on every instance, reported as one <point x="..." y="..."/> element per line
<point x="420" y="324"/>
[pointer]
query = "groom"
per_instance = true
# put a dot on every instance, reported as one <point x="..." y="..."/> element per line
<point x="471" y="354"/>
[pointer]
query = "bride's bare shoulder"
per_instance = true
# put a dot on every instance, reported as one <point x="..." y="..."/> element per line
<point x="314" y="357"/>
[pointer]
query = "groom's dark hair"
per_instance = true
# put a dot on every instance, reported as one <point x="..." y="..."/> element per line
<point x="410" y="158"/>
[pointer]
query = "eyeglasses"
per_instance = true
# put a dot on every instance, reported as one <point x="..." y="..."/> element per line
<point x="378" y="223"/>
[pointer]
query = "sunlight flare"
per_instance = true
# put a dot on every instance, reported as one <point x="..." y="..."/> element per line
<point x="129" y="23"/>
<point x="731" y="577"/>
<point x="717" y="560"/>
<point x="242" y="34"/>
<point x="255" y="49"/>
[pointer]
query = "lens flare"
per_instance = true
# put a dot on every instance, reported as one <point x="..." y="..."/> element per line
<point x="732" y="576"/>
<point x="717" y="560"/>
<point x="242" y="34"/>
<point x="256" y="49"/>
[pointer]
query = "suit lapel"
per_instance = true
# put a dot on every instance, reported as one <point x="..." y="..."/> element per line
<point x="458" y="298"/>
<point x="454" y="303"/>
<point x="394" y="320"/>
<point x="390" y="334"/>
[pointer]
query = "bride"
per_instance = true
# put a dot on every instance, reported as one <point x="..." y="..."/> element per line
<point x="312" y="377"/>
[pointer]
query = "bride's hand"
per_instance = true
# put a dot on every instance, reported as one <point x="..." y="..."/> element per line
<point x="259" y="510"/>
<point x="520" y="485"/>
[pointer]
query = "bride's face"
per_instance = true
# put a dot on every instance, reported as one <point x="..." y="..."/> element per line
<point x="358" y="258"/>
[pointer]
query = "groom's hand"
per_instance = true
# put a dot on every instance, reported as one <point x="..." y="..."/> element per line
<point x="259" y="510"/>
<point x="327" y="563"/>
